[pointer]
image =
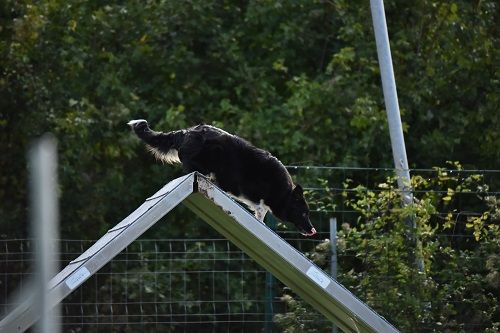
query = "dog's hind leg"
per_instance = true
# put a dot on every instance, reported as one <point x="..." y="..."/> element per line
<point x="211" y="176"/>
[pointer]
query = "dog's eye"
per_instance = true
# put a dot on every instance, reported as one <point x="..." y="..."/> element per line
<point x="304" y="215"/>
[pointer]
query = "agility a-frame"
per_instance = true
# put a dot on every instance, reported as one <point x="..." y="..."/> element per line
<point x="236" y="224"/>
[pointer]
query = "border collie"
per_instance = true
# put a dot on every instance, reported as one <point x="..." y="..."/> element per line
<point x="251" y="175"/>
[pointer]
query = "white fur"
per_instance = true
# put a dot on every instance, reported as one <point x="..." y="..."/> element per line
<point x="171" y="157"/>
<point x="136" y="121"/>
<point x="261" y="210"/>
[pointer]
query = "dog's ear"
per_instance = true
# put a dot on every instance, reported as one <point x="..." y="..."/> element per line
<point x="298" y="191"/>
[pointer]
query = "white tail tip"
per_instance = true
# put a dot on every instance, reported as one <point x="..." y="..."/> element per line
<point x="136" y="121"/>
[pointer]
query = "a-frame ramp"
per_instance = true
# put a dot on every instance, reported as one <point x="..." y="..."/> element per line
<point x="236" y="224"/>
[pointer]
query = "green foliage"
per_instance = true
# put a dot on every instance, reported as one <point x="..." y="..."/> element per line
<point x="299" y="78"/>
<point x="459" y="287"/>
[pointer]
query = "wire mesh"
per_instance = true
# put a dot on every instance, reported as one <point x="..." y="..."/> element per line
<point x="156" y="284"/>
<point x="208" y="284"/>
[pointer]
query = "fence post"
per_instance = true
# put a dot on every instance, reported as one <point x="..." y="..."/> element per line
<point x="333" y="257"/>
<point x="44" y="228"/>
<point x="270" y="283"/>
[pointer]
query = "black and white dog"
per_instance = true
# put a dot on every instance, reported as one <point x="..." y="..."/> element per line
<point x="250" y="174"/>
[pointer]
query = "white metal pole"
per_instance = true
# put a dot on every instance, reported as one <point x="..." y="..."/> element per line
<point x="391" y="99"/>
<point x="44" y="219"/>
<point x="394" y="118"/>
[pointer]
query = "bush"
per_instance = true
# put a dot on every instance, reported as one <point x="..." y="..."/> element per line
<point x="457" y="292"/>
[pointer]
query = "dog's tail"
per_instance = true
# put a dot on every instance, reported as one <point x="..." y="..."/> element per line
<point x="163" y="145"/>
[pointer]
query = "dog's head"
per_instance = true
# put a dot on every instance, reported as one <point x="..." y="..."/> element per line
<point x="298" y="212"/>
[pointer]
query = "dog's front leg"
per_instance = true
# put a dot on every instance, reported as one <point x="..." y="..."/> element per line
<point x="260" y="211"/>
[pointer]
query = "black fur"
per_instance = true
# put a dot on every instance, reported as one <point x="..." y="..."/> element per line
<point x="238" y="167"/>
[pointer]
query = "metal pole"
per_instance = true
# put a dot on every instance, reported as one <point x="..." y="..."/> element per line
<point x="393" y="116"/>
<point x="44" y="219"/>
<point x="333" y="258"/>
<point x="333" y="240"/>
<point x="270" y="282"/>
<point x="391" y="98"/>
